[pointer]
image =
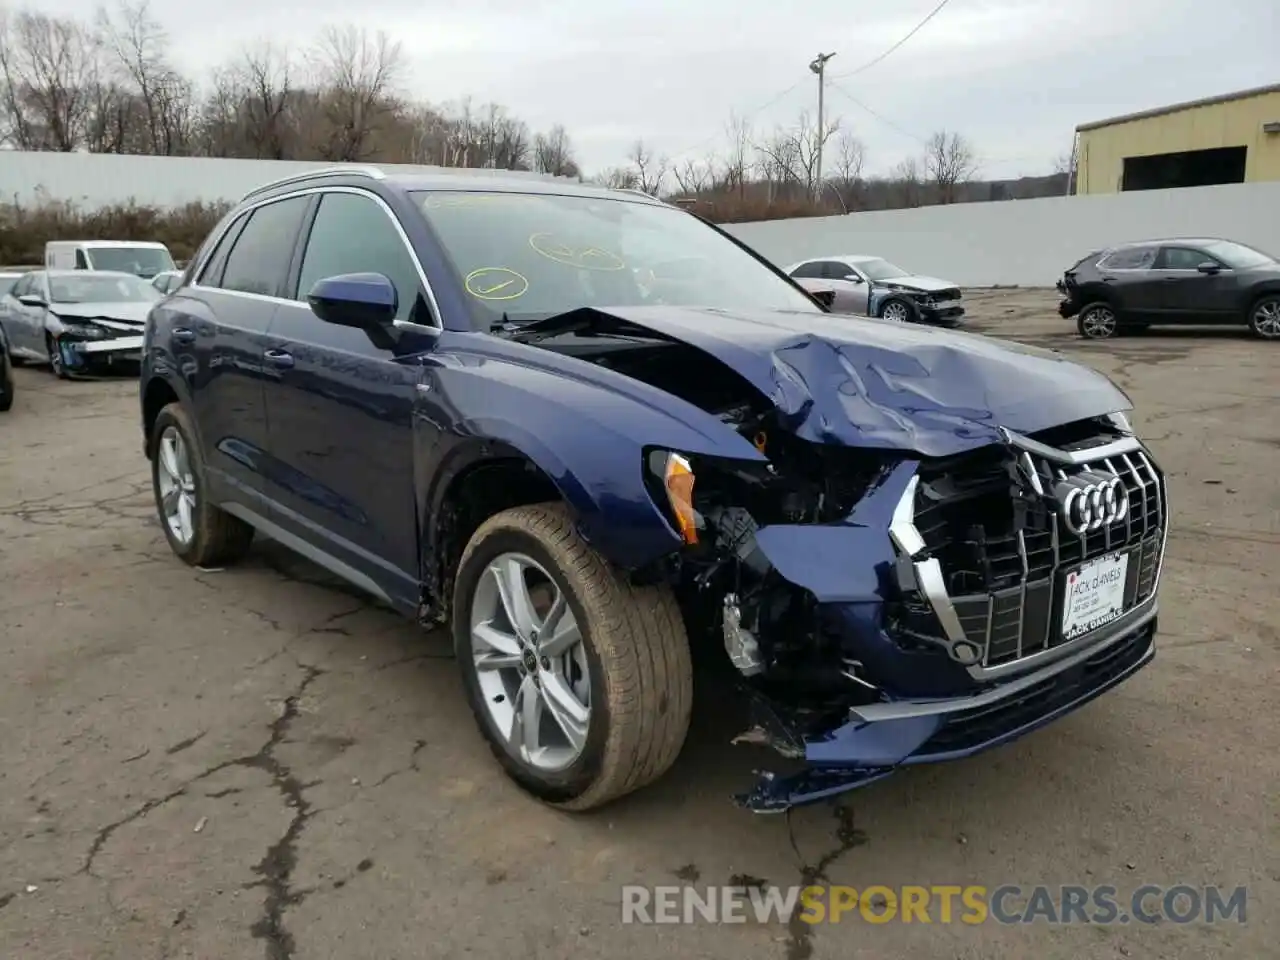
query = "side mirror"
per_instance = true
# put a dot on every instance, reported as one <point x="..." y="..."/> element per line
<point x="1210" y="267"/>
<point x="825" y="297"/>
<point x="32" y="300"/>
<point x="361" y="300"/>
<point x="854" y="278"/>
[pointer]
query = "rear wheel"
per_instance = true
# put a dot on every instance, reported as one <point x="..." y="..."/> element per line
<point x="1264" y="317"/>
<point x="197" y="531"/>
<point x="1097" y="321"/>
<point x="580" y="681"/>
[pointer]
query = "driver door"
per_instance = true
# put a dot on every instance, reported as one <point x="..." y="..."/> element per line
<point x="851" y="287"/>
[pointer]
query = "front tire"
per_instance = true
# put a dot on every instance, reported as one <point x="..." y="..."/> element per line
<point x="581" y="682"/>
<point x="897" y="309"/>
<point x="1098" y="321"/>
<point x="197" y="531"/>
<point x="56" y="364"/>
<point x="1264" y="317"/>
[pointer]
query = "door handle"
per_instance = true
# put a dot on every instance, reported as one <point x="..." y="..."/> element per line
<point x="182" y="335"/>
<point x="279" y="358"/>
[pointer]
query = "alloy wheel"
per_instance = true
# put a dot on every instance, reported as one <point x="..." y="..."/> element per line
<point x="531" y="663"/>
<point x="1266" y="319"/>
<point x="177" y="486"/>
<point x="895" y="311"/>
<point x="55" y="356"/>
<point x="1098" y="323"/>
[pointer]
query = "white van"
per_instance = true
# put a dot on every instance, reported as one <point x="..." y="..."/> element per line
<point x="145" y="259"/>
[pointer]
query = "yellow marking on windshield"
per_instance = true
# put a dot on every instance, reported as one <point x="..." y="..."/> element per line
<point x="496" y="283"/>
<point x="584" y="258"/>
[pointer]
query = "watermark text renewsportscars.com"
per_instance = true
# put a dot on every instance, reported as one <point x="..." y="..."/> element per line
<point x="938" y="903"/>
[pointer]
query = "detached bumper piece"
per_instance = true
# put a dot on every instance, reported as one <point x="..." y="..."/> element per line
<point x="80" y="355"/>
<point x="943" y="315"/>
<point x="886" y="736"/>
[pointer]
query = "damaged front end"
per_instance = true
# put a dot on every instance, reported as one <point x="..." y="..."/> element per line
<point x="883" y="607"/>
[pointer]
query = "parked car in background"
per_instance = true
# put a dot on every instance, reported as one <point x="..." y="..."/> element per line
<point x="872" y="286"/>
<point x="7" y="385"/>
<point x="77" y="321"/>
<point x="1132" y="286"/>
<point x="168" y="281"/>
<point x="141" y="258"/>
<point x="455" y="393"/>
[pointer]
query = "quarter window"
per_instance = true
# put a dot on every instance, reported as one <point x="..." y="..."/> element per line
<point x="1129" y="258"/>
<point x="259" y="259"/>
<point x="353" y="234"/>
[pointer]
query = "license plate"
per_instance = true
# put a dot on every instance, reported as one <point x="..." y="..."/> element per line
<point x="1094" y="595"/>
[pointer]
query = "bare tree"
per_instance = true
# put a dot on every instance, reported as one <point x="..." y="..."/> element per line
<point x="162" y="96"/>
<point x="265" y="74"/>
<point x="650" y="171"/>
<point x="738" y="161"/>
<point x="692" y="176"/>
<point x="791" y="156"/>
<point x="907" y="177"/>
<point x="48" y="68"/>
<point x="620" y="178"/>
<point x="357" y="74"/>
<point x="553" y="153"/>
<point x="949" y="161"/>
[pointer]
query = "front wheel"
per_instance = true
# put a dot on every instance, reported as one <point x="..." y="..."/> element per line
<point x="895" y="309"/>
<point x="197" y="531"/>
<point x="56" y="363"/>
<point x="580" y="681"/>
<point x="1097" y="321"/>
<point x="1264" y="317"/>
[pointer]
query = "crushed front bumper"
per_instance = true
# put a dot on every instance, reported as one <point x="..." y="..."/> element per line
<point x="882" y="737"/>
<point x="80" y="355"/>
<point x="943" y="314"/>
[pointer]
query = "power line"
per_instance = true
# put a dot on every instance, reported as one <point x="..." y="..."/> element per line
<point x="914" y="30"/>
<point x="883" y="119"/>
<point x="748" y="116"/>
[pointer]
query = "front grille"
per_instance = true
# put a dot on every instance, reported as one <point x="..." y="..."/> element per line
<point x="1005" y="551"/>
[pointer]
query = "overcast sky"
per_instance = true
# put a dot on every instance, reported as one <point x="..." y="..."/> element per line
<point x="1014" y="76"/>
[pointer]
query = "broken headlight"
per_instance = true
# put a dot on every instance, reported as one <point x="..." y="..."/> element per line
<point x="85" y="331"/>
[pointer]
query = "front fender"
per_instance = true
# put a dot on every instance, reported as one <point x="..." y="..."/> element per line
<point x="587" y="438"/>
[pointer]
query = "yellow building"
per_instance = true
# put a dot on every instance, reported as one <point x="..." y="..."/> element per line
<point x="1233" y="138"/>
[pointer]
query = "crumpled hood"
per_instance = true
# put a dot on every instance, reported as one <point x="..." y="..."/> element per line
<point x="928" y="284"/>
<point x="128" y="312"/>
<point x="872" y="383"/>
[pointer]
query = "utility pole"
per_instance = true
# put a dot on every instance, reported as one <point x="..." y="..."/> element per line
<point x="819" y="66"/>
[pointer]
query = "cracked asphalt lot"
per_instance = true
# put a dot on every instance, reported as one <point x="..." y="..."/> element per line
<point x="256" y="762"/>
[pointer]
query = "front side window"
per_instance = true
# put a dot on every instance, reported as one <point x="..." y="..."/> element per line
<point x="90" y="287"/>
<point x="353" y="234"/>
<point x="1181" y="258"/>
<point x="529" y="256"/>
<point x="259" y="260"/>
<point x="140" y="261"/>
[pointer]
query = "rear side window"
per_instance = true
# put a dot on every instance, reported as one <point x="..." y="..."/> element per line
<point x="354" y="234"/>
<point x="1129" y="258"/>
<point x="836" y="271"/>
<point x="258" y="261"/>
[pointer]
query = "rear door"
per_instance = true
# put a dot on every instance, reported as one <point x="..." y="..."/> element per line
<point x="1190" y="296"/>
<point x="218" y="330"/>
<point x="340" y="402"/>
<point x="1132" y="282"/>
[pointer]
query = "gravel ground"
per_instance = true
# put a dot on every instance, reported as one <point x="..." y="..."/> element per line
<point x="255" y="762"/>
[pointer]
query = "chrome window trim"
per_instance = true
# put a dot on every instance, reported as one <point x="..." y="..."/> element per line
<point x="248" y="208"/>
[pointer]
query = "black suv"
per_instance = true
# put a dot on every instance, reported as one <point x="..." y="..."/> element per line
<point x="1191" y="281"/>
<point x="589" y="431"/>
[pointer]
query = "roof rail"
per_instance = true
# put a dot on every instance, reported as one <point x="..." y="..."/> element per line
<point x="373" y="173"/>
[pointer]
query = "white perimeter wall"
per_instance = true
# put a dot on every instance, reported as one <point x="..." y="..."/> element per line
<point x="100" y="179"/>
<point x="1024" y="242"/>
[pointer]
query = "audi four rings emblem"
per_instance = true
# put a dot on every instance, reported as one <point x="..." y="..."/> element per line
<point x="1092" y="500"/>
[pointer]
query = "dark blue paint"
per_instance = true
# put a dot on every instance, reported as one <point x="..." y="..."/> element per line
<point x="318" y="414"/>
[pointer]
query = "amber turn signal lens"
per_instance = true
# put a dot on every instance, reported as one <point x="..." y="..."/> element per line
<point x="679" y="484"/>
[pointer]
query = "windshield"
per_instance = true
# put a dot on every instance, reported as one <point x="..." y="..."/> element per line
<point x="881" y="270"/>
<point x="88" y="288"/>
<point x="140" y="261"/>
<point x="1238" y="256"/>
<point x="7" y="284"/>
<point x="529" y="256"/>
